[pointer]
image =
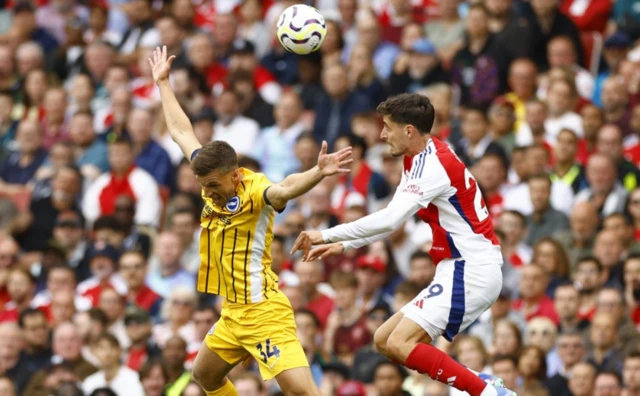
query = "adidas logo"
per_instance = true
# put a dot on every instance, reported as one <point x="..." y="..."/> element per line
<point x="451" y="380"/>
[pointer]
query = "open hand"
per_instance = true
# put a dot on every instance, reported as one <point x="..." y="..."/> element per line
<point x="305" y="240"/>
<point x="333" y="163"/>
<point x="324" y="251"/>
<point x="161" y="64"/>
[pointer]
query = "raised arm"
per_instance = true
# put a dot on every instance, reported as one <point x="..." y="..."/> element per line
<point x="178" y="124"/>
<point x="297" y="184"/>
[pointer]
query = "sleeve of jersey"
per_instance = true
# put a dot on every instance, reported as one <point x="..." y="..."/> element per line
<point x="358" y="243"/>
<point x="259" y="192"/>
<point x="412" y="195"/>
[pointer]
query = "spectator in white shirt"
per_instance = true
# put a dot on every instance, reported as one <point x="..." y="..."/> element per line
<point x="237" y="130"/>
<point x="121" y="379"/>
<point x="561" y="100"/>
<point x="561" y="52"/>
<point x="124" y="179"/>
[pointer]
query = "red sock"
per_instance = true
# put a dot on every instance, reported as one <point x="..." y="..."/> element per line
<point x="427" y="359"/>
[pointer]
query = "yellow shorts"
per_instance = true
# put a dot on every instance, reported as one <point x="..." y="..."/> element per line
<point x="266" y="330"/>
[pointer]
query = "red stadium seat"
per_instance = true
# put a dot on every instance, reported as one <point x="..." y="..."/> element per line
<point x="592" y="44"/>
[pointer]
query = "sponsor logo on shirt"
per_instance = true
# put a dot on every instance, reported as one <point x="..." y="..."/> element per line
<point x="413" y="189"/>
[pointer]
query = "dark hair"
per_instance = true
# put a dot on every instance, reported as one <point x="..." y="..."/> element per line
<point x="474" y="108"/>
<point x="520" y="216"/>
<point x="7" y="94"/>
<point x="312" y="315"/>
<point x="108" y="223"/>
<point x="68" y="388"/>
<point x="123" y="141"/>
<point x="239" y="76"/>
<point x="356" y="141"/>
<point x="343" y="279"/>
<point x="306" y="136"/>
<point x="202" y="307"/>
<point x="562" y="269"/>
<point x="418" y="254"/>
<point x="29" y="312"/>
<point x="63" y="267"/>
<point x="87" y="113"/>
<point x="541" y="374"/>
<point x="590" y="259"/>
<point x="401" y="370"/>
<point x="110" y="338"/>
<point x="216" y="155"/>
<point x="540" y="176"/>
<point x="103" y="392"/>
<point x="633" y="354"/>
<point x="409" y="109"/>
<point x="479" y="6"/>
<point x="146" y="368"/>
<point x="249" y="163"/>
<point x="98" y="315"/>
<point x="502" y="358"/>
<point x="408" y="288"/>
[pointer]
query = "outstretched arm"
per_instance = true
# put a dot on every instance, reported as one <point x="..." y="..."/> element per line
<point x="178" y="124"/>
<point x="381" y="222"/>
<point x="297" y="184"/>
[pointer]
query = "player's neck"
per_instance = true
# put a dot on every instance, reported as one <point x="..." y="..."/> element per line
<point x="418" y="145"/>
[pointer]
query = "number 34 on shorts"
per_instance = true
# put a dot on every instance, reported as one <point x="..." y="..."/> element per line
<point x="267" y="351"/>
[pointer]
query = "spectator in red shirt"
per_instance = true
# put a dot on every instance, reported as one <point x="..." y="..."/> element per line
<point x="491" y="173"/>
<point x="311" y="274"/>
<point x="21" y="287"/>
<point x="133" y="270"/>
<point x="138" y="326"/>
<point x="589" y="15"/>
<point x="346" y="330"/>
<point x="102" y="263"/>
<point x="371" y="274"/>
<point x="631" y="276"/>
<point x="588" y="279"/>
<point x="243" y="57"/>
<point x="9" y="250"/>
<point x="534" y="302"/>
<point x="514" y="226"/>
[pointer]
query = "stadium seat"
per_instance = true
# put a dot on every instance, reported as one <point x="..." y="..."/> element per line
<point x="592" y="44"/>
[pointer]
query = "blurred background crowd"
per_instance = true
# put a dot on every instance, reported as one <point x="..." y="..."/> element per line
<point x="99" y="211"/>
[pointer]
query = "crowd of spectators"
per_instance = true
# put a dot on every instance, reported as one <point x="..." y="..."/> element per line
<point x="99" y="211"/>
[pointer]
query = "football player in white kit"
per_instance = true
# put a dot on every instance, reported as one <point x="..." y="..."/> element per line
<point x="439" y="188"/>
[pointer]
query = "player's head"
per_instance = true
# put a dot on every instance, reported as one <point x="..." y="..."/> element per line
<point x="216" y="169"/>
<point x="406" y="119"/>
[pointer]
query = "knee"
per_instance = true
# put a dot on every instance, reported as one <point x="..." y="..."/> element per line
<point x="209" y="381"/>
<point x="397" y="348"/>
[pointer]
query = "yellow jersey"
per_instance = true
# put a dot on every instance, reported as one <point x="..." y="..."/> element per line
<point x="235" y="244"/>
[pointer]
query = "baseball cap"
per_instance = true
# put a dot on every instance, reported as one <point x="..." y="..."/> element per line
<point x="242" y="47"/>
<point x="618" y="40"/>
<point x="371" y="262"/>
<point x="352" y="388"/>
<point x="423" y="46"/>
<point x="135" y="314"/>
<point x="104" y="250"/>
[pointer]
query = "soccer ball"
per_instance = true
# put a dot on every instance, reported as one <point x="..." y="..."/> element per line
<point x="301" y="29"/>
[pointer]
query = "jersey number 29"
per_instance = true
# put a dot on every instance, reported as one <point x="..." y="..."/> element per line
<point x="481" y="211"/>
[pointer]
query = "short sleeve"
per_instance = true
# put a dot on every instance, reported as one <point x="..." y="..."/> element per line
<point x="258" y="186"/>
<point x="425" y="184"/>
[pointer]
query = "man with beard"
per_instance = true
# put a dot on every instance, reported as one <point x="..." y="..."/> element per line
<point x="138" y="326"/>
<point x="588" y="280"/>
